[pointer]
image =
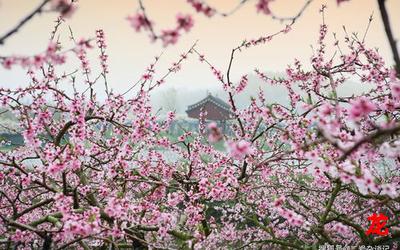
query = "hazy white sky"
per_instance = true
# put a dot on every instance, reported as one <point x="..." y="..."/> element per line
<point x="130" y="52"/>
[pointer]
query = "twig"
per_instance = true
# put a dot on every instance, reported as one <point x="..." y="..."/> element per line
<point x="23" y="21"/>
<point x="389" y="34"/>
<point x="369" y="138"/>
<point x="293" y="18"/>
<point x="143" y="9"/>
<point x="236" y="8"/>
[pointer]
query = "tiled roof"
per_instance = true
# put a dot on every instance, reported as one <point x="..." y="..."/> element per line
<point x="215" y="100"/>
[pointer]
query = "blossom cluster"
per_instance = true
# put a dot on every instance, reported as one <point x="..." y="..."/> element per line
<point x="140" y="21"/>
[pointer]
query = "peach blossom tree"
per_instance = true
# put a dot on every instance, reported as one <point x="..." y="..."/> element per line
<point x="95" y="174"/>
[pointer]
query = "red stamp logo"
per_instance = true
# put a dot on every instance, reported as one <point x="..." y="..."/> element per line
<point x="378" y="223"/>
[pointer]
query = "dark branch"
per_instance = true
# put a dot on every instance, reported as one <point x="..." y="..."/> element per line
<point x="295" y="17"/>
<point x="389" y="34"/>
<point x="23" y="22"/>
<point x="369" y="138"/>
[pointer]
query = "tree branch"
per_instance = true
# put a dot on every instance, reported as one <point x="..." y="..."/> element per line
<point x="23" y="22"/>
<point x="389" y="34"/>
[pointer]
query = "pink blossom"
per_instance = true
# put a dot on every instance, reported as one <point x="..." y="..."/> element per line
<point x="360" y="108"/>
<point x="263" y="6"/>
<point x="390" y="190"/>
<point x="202" y="7"/>
<point x="203" y="185"/>
<point x="85" y="43"/>
<point x="279" y="202"/>
<point x="55" y="168"/>
<point x="8" y="62"/>
<point x="215" y="133"/>
<point x="102" y="46"/>
<point x="65" y="7"/>
<point x="239" y="149"/>
<point x="292" y="217"/>
<point x="169" y="37"/>
<point x="242" y="84"/>
<point x="395" y="87"/>
<point x="38" y="61"/>
<point x="341" y="229"/>
<point x="174" y="199"/>
<point x="185" y="22"/>
<point x="139" y="21"/>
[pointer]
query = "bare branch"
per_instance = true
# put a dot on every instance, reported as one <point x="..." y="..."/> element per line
<point x="14" y="30"/>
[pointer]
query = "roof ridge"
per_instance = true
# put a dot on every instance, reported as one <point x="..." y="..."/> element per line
<point x="215" y="100"/>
